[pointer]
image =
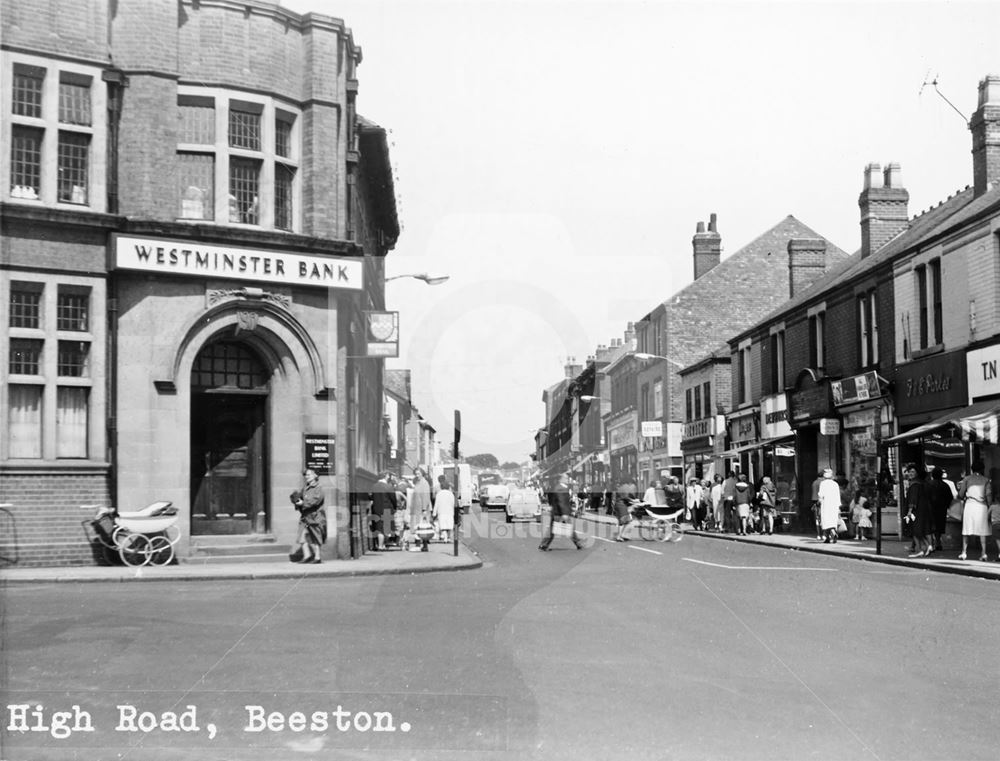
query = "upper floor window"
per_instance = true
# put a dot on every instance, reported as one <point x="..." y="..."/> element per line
<point x="937" y="322"/>
<point x="238" y="159"/>
<point x="55" y="144"/>
<point x="868" y="328"/>
<point x="743" y="374"/>
<point x="817" y="339"/>
<point x="658" y="399"/>
<point x="706" y="393"/>
<point x="777" y="365"/>
<point x="689" y="404"/>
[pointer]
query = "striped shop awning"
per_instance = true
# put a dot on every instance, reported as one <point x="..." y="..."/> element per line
<point x="979" y="421"/>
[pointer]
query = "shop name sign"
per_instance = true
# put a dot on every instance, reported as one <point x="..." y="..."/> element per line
<point x="859" y="388"/>
<point x="188" y="258"/>
<point x="622" y="436"/>
<point x="983" y="368"/>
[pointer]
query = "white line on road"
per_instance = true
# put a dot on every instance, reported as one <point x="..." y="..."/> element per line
<point x="754" y="567"/>
<point x="643" y="549"/>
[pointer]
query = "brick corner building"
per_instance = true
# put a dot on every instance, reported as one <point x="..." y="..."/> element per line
<point x="195" y="221"/>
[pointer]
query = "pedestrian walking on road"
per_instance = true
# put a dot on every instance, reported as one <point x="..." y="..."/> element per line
<point x="918" y="512"/>
<point x="312" y="520"/>
<point x="829" y="507"/>
<point x="561" y="511"/>
<point x="625" y="499"/>
<point x="977" y="494"/>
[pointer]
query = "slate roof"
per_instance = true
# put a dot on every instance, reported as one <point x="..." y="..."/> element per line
<point x="953" y="212"/>
<point x="737" y="292"/>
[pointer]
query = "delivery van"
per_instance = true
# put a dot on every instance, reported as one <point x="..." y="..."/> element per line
<point x="465" y="485"/>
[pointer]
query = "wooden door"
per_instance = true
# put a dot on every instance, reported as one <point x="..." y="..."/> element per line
<point x="228" y="464"/>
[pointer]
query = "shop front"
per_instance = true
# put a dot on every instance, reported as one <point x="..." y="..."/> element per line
<point x="623" y="447"/>
<point x="743" y="434"/>
<point x="698" y="448"/>
<point x="866" y="416"/>
<point x="811" y="415"/>
<point x="777" y="455"/>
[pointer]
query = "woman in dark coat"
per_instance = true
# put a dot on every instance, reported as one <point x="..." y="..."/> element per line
<point x="625" y="497"/>
<point x="312" y="518"/>
<point x="919" y="512"/>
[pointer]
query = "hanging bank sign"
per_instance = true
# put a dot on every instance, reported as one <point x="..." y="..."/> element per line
<point x="193" y="259"/>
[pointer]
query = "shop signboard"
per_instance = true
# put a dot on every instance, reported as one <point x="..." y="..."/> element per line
<point x="829" y="426"/>
<point x="319" y="453"/>
<point x="742" y="427"/>
<point x="983" y="370"/>
<point x="652" y="428"/>
<point x="858" y="388"/>
<point x="810" y="400"/>
<point x="622" y="436"/>
<point x="774" y="417"/>
<point x="187" y="258"/>
<point x="932" y="383"/>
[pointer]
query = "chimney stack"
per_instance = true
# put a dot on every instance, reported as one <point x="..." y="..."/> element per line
<point x="707" y="247"/>
<point x="572" y="368"/>
<point x="629" y="342"/>
<point x="806" y="263"/>
<point x="985" y="126"/>
<point x="883" y="204"/>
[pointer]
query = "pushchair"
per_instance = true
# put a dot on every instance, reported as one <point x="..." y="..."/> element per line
<point x="139" y="537"/>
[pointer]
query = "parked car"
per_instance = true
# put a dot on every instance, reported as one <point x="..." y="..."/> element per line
<point x="493" y="492"/>
<point x="523" y="505"/>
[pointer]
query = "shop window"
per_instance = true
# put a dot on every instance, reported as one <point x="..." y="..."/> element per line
<point x="53" y="132"/>
<point x="72" y="418"/>
<point x="24" y="421"/>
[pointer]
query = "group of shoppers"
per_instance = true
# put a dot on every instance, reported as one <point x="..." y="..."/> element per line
<point x="929" y="500"/>
<point x="400" y="506"/>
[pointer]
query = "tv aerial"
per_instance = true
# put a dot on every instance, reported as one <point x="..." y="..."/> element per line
<point x="934" y="82"/>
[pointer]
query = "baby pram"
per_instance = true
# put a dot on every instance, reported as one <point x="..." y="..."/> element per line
<point x="137" y="537"/>
<point x="658" y="522"/>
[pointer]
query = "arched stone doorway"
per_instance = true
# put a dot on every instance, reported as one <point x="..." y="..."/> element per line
<point x="229" y="441"/>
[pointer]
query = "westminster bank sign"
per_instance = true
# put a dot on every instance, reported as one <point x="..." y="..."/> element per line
<point x="187" y="258"/>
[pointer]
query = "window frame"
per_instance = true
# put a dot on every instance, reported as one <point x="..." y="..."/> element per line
<point x="272" y="166"/>
<point x="51" y="129"/>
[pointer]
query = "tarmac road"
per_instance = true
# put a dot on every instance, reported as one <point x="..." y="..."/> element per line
<point x="703" y="649"/>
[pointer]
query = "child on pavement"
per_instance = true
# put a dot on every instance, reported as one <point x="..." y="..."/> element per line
<point x="861" y="517"/>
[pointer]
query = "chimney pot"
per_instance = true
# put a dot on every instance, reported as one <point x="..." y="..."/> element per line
<point x="700" y="228"/>
<point x="893" y="176"/>
<point x="873" y="176"/>
<point x="711" y="222"/>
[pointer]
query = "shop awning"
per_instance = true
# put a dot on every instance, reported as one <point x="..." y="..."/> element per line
<point x="980" y="421"/>
<point x="757" y="445"/>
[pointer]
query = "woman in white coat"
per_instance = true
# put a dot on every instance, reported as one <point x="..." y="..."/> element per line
<point x="444" y="511"/>
<point x="829" y="506"/>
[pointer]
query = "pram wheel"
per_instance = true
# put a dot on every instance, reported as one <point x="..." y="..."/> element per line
<point x="669" y="532"/>
<point x="646" y="530"/>
<point x="160" y="551"/>
<point x="133" y="549"/>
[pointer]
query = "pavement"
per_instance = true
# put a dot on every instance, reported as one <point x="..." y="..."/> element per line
<point x="439" y="557"/>
<point x="894" y="551"/>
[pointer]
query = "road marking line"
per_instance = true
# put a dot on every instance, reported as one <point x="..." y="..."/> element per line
<point x="643" y="549"/>
<point x="755" y="567"/>
<point x="602" y="538"/>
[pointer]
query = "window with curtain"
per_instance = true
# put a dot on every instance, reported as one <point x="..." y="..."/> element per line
<point x="24" y="421"/>
<point x="71" y="422"/>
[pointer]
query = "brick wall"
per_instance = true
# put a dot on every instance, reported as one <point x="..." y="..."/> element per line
<point x="78" y="28"/>
<point x="41" y="528"/>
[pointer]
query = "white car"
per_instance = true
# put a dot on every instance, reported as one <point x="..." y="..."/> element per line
<point x="523" y="505"/>
<point x="492" y="492"/>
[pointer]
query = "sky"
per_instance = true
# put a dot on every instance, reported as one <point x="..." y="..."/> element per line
<point x="554" y="159"/>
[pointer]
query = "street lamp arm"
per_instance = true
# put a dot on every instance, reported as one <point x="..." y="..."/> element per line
<point x="644" y="355"/>
<point x="427" y="278"/>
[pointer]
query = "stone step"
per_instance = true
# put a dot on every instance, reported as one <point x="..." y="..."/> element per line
<point x="224" y="559"/>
